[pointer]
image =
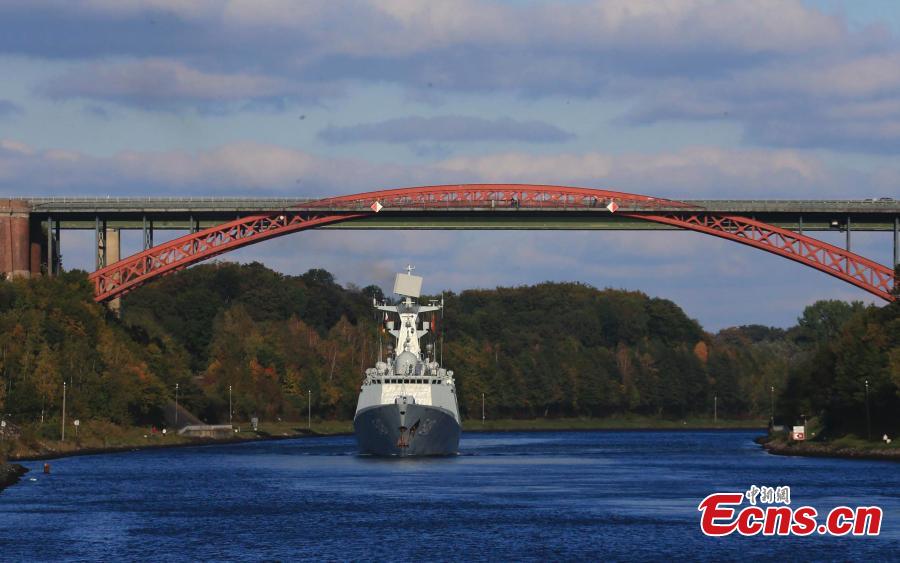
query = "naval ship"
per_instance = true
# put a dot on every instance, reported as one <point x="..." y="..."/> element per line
<point x="407" y="403"/>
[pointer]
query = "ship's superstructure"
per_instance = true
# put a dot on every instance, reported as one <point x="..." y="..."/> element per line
<point x="407" y="403"/>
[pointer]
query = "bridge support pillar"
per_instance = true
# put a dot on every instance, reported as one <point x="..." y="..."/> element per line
<point x="849" y="230"/>
<point x="148" y="233"/>
<point x="896" y="241"/>
<point x="38" y="248"/>
<point x="15" y="239"/>
<point x="99" y="243"/>
<point x="112" y="251"/>
<point x="54" y="256"/>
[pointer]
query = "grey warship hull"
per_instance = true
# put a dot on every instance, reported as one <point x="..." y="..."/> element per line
<point x="410" y="430"/>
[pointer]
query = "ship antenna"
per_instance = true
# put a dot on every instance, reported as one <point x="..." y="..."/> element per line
<point x="379" y="325"/>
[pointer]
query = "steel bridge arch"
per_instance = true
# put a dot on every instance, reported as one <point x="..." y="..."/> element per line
<point x="131" y="272"/>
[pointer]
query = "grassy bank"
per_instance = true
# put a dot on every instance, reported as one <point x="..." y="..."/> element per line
<point x="97" y="436"/>
<point x="848" y="447"/>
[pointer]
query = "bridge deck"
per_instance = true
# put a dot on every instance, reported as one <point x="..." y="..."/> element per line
<point x="179" y="213"/>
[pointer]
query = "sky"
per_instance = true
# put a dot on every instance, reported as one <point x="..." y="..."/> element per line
<point x="684" y="99"/>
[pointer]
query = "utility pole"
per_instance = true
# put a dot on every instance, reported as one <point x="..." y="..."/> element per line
<point x="868" y="416"/>
<point x="716" y="408"/>
<point x="176" y="406"/>
<point x="230" y="411"/>
<point x="482" y="409"/>
<point x="64" y="413"/>
<point x="772" y="401"/>
<point x="309" y="409"/>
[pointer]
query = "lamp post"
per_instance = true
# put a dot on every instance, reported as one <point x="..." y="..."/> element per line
<point x="716" y="408"/>
<point x="868" y="416"/>
<point x="482" y="409"/>
<point x="64" y="413"/>
<point x="176" y="405"/>
<point x="230" y="411"/>
<point x="309" y="409"/>
<point x="772" y="403"/>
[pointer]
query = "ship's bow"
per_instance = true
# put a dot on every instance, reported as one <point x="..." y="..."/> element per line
<point x="405" y="428"/>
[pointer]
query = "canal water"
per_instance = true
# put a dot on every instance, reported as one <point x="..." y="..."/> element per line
<point x="508" y="496"/>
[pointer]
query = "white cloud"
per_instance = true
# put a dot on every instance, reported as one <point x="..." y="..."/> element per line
<point x="789" y="74"/>
<point x="691" y="172"/>
<point x="246" y="168"/>
<point x="164" y="83"/>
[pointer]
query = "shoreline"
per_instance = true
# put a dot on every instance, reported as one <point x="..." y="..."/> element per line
<point x="617" y="429"/>
<point x="826" y="449"/>
<point x="286" y="432"/>
<point x="194" y="443"/>
<point x="10" y="474"/>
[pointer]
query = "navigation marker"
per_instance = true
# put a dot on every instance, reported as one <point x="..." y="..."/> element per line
<point x="376" y="207"/>
<point x="613" y="206"/>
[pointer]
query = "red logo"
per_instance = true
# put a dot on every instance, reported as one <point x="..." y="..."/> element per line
<point x="721" y="515"/>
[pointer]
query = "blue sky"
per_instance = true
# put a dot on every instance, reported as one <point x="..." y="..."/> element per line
<point x="675" y="98"/>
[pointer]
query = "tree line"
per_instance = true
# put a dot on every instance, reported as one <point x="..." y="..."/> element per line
<point x="553" y="349"/>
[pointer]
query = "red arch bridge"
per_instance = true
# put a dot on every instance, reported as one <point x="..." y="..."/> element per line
<point x="32" y="227"/>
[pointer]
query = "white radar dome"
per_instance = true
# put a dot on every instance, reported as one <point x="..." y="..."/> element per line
<point x="405" y="363"/>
